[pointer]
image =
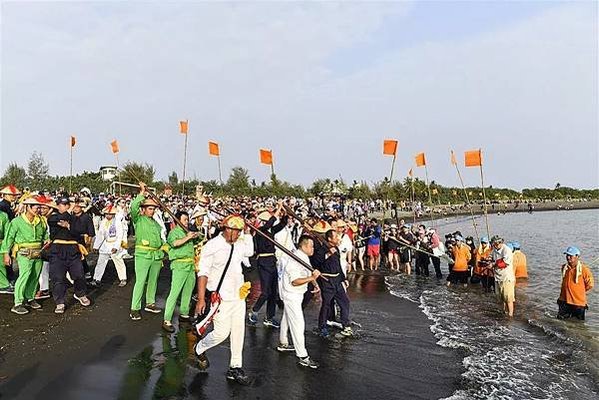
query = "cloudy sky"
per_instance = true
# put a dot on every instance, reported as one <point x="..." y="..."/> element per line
<point x="322" y="84"/>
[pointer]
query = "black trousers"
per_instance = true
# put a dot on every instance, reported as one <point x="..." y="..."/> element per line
<point x="422" y="262"/>
<point x="437" y="264"/>
<point x="570" y="311"/>
<point x="333" y="291"/>
<point x="269" y="288"/>
<point x="63" y="259"/>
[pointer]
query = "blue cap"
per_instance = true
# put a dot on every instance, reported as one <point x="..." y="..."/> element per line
<point x="572" y="251"/>
<point x="458" y="237"/>
<point x="510" y="245"/>
<point x="516" y="245"/>
<point x="484" y="239"/>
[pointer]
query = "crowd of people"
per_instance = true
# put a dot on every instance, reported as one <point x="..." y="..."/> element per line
<point x="301" y="249"/>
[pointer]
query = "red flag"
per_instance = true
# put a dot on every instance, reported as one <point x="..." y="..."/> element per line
<point x="213" y="149"/>
<point x="115" y="146"/>
<point x="183" y="126"/>
<point x="420" y="160"/>
<point x="473" y="158"/>
<point x="390" y="147"/>
<point x="266" y="156"/>
<point x="73" y="141"/>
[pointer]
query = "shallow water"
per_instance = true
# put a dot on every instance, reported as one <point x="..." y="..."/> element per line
<point x="534" y="355"/>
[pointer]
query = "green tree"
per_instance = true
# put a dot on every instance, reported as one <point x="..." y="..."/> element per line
<point x="133" y="172"/>
<point x="14" y="175"/>
<point x="239" y="181"/>
<point x="37" y="170"/>
<point x="173" y="179"/>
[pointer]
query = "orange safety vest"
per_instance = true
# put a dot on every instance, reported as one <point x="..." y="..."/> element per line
<point x="520" y="268"/>
<point x="482" y="253"/>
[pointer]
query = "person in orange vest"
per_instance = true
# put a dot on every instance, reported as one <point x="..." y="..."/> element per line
<point x="480" y="272"/>
<point x="577" y="280"/>
<point x="520" y="266"/>
<point x="461" y="255"/>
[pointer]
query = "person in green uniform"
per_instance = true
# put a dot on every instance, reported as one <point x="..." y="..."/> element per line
<point x="148" y="253"/>
<point x="5" y="287"/>
<point x="24" y="239"/>
<point x="182" y="256"/>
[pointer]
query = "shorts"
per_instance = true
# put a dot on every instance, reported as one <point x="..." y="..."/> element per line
<point x="506" y="291"/>
<point x="392" y="251"/>
<point x="405" y="255"/>
<point x="374" y="250"/>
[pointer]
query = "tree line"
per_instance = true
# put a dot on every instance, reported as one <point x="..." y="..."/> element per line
<point x="239" y="183"/>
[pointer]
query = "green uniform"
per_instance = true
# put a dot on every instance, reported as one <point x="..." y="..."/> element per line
<point x="148" y="254"/>
<point x="24" y="238"/>
<point x="183" y="273"/>
<point x="4" y="283"/>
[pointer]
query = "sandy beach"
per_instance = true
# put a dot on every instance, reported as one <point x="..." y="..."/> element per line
<point x="99" y="353"/>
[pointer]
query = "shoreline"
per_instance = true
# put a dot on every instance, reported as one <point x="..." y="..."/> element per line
<point x="441" y="211"/>
<point x="100" y="352"/>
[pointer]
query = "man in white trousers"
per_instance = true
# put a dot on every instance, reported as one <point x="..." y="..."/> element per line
<point x="294" y="279"/>
<point x="220" y="261"/>
<point x="109" y="243"/>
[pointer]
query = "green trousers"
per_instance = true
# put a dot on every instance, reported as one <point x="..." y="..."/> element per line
<point x="27" y="282"/>
<point x="182" y="283"/>
<point x="145" y="270"/>
<point x="4" y="283"/>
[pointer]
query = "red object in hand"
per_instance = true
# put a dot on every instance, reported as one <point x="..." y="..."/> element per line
<point x="500" y="264"/>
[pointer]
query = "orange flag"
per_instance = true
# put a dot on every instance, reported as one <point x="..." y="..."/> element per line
<point x="411" y="173"/>
<point x="115" y="146"/>
<point x="390" y="147"/>
<point x="73" y="141"/>
<point x="473" y="158"/>
<point x="183" y="127"/>
<point x="266" y="156"/>
<point x="453" y="160"/>
<point x="213" y="149"/>
<point x="420" y="160"/>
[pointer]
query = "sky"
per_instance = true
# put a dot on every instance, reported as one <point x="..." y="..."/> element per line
<point x="322" y="84"/>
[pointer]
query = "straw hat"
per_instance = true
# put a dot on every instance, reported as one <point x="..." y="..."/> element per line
<point x="321" y="227"/>
<point x="109" y="209"/>
<point x="149" y="203"/>
<point x="33" y="201"/>
<point x="10" y="189"/>
<point x="341" y="223"/>
<point x="264" y="216"/>
<point x="198" y="212"/>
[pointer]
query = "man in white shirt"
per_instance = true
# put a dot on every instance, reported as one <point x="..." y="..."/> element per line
<point x="345" y="247"/>
<point x="294" y="279"/>
<point x="231" y="247"/>
<point x="505" y="277"/>
<point x="109" y="241"/>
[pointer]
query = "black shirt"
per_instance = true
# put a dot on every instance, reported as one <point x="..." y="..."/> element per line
<point x="58" y="232"/>
<point x="7" y="208"/>
<point x="83" y="225"/>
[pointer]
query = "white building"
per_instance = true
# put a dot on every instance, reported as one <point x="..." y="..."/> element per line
<point x="108" y="172"/>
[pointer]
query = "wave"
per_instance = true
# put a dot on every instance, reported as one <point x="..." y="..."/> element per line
<point x="503" y="359"/>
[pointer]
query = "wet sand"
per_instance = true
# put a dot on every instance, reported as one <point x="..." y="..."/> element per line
<point x="98" y="353"/>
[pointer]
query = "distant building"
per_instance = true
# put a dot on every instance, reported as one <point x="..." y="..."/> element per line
<point x="108" y="172"/>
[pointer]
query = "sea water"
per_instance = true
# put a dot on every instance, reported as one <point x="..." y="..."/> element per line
<point x="534" y="355"/>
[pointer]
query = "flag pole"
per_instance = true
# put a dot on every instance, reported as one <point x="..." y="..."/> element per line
<point x="185" y="156"/>
<point x="392" y="167"/>
<point x="482" y="182"/>
<point x="118" y="168"/>
<point x="430" y="198"/>
<point x="468" y="202"/>
<point x="220" y="176"/>
<point x="71" y="170"/>
<point x="412" y="196"/>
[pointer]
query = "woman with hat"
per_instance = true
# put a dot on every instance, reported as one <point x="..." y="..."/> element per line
<point x="148" y="253"/>
<point x="24" y="239"/>
<point x="108" y="242"/>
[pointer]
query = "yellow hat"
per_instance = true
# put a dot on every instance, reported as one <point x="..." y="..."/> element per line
<point x="10" y="189"/>
<point x="234" y="222"/>
<point x="322" y="227"/>
<point x="109" y="209"/>
<point x="341" y="223"/>
<point x="32" y="201"/>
